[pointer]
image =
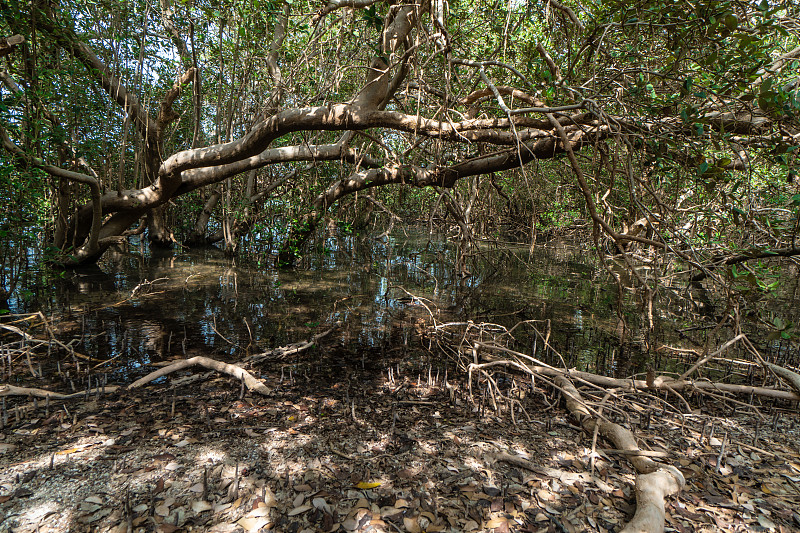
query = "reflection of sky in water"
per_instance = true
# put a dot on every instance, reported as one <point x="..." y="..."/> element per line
<point x="362" y="283"/>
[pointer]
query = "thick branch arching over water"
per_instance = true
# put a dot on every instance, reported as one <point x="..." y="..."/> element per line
<point x="418" y="80"/>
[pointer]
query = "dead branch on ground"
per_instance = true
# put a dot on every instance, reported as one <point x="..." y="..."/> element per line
<point x="486" y="350"/>
<point x="238" y="372"/>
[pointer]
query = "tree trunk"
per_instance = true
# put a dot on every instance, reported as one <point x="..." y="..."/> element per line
<point x="158" y="230"/>
<point x="198" y="236"/>
<point x="299" y="233"/>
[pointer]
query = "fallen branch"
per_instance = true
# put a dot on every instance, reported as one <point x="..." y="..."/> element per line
<point x="250" y="382"/>
<point x="11" y="390"/>
<point x="792" y="377"/>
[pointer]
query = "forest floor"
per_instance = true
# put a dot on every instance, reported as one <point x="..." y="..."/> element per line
<point x="399" y="451"/>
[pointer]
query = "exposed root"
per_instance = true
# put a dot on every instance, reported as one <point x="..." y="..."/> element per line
<point x="654" y="482"/>
<point x="11" y="390"/>
<point x="249" y="381"/>
<point x="651" y="491"/>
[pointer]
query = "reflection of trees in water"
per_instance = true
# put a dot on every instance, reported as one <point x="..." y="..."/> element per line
<point x="199" y="302"/>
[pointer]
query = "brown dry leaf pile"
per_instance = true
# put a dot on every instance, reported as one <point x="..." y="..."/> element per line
<point x="360" y="453"/>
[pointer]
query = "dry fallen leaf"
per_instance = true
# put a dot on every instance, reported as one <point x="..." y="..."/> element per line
<point x="470" y="525"/>
<point x="162" y="510"/>
<point x="412" y="524"/>
<point x="261" y="510"/>
<point x="269" y="498"/>
<point x="321" y="504"/>
<point x="298" y="510"/>
<point x="765" y="522"/>
<point x="253" y="523"/>
<point x="496" y="522"/>
<point x="218" y="508"/>
<point x="198" y="506"/>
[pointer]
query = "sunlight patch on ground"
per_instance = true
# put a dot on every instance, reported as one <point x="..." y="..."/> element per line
<point x="37" y="514"/>
<point x="212" y="456"/>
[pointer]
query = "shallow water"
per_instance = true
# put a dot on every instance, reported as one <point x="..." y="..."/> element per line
<point x="142" y="306"/>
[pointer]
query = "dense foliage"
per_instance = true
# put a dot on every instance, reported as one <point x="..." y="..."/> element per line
<point x="672" y="127"/>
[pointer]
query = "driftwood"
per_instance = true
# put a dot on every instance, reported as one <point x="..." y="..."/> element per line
<point x="249" y="380"/>
<point x="654" y="482"/>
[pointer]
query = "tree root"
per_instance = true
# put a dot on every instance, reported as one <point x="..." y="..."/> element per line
<point x="292" y="349"/>
<point x="792" y="377"/>
<point x="249" y="380"/>
<point x="651" y="490"/>
<point x="654" y="482"/>
<point x="11" y="390"/>
<point x="658" y="383"/>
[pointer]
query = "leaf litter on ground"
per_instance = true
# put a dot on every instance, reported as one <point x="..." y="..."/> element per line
<point x="379" y="456"/>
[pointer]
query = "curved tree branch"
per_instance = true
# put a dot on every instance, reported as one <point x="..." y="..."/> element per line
<point x="92" y="246"/>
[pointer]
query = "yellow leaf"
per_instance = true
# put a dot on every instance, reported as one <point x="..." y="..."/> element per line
<point x="66" y="452"/>
<point x="367" y="485"/>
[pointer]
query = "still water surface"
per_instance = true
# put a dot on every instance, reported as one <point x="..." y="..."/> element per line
<point x="154" y="305"/>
